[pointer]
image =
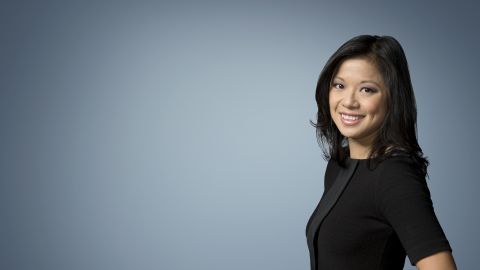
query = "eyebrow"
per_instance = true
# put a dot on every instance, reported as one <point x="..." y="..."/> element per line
<point x="365" y="81"/>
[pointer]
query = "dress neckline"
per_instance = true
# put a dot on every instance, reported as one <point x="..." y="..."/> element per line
<point x="359" y="159"/>
<point x="395" y="154"/>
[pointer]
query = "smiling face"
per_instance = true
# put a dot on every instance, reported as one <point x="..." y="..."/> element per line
<point x="358" y="102"/>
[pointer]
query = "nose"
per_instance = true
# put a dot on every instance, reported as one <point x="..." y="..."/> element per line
<point x="349" y="99"/>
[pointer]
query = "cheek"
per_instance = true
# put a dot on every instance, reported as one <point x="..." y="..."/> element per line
<point x="332" y="101"/>
<point x="378" y="109"/>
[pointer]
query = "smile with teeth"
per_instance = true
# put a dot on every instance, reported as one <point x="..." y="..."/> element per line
<point x="351" y="119"/>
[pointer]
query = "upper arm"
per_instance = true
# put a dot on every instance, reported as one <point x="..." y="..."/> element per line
<point x="438" y="261"/>
<point x="403" y="199"/>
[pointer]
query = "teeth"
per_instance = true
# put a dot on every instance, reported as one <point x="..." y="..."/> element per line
<point x="349" y="117"/>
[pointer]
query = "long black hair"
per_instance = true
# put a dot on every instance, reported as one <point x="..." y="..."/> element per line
<point x="398" y="133"/>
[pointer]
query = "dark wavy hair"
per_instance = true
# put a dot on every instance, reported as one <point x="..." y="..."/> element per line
<point x="398" y="132"/>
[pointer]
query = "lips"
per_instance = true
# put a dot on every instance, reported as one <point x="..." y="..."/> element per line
<point x="351" y="116"/>
<point x="351" y="119"/>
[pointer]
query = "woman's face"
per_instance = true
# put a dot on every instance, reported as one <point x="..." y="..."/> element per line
<point x="358" y="100"/>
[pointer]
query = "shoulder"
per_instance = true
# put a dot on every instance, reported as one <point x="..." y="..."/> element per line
<point x="400" y="173"/>
<point x="399" y="164"/>
<point x="400" y="186"/>
<point x="400" y="178"/>
<point x="331" y="172"/>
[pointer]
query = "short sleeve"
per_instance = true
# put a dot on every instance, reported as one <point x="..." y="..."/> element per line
<point x="403" y="199"/>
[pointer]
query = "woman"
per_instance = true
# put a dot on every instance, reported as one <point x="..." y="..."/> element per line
<point x="376" y="207"/>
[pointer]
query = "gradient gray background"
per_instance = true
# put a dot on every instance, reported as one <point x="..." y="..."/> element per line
<point x="156" y="135"/>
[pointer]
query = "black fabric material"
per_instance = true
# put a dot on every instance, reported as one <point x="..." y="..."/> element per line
<point x="326" y="203"/>
<point x="374" y="218"/>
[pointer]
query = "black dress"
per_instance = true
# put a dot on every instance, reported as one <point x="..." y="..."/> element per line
<point x="381" y="216"/>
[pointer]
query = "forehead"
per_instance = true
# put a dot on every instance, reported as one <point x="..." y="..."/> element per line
<point x="359" y="69"/>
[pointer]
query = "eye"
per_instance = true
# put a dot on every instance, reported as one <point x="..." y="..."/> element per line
<point x="368" y="90"/>
<point x="337" y="85"/>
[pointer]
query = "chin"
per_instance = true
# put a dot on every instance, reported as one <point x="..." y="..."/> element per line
<point x="350" y="134"/>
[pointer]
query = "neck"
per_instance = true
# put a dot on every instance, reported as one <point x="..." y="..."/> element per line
<point x="359" y="149"/>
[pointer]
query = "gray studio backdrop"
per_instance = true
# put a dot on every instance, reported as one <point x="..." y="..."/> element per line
<point x="175" y="135"/>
